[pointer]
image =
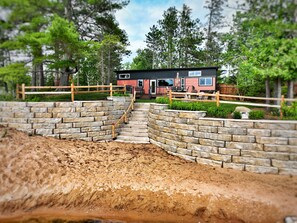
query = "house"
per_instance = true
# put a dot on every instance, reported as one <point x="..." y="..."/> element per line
<point x="159" y="81"/>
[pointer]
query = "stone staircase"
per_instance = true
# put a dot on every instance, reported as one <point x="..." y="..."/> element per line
<point x="136" y="131"/>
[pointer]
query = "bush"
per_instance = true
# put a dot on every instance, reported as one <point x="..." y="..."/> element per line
<point x="290" y="112"/>
<point x="257" y="114"/>
<point x="237" y="115"/>
<point x="162" y="100"/>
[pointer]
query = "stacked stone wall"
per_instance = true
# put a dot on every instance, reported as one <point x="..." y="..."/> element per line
<point x="249" y="145"/>
<point x="90" y="121"/>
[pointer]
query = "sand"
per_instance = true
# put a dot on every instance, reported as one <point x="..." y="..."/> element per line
<point x="48" y="178"/>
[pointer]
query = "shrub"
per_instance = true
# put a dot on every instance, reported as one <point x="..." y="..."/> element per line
<point x="256" y="114"/>
<point x="290" y="112"/>
<point x="237" y="115"/>
<point x="162" y="100"/>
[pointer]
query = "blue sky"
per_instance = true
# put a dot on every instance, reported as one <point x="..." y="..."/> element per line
<point x="137" y="18"/>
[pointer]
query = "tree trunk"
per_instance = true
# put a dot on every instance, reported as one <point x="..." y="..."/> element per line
<point x="102" y="68"/>
<point x="41" y="74"/>
<point x="267" y="91"/>
<point x="278" y="89"/>
<point x="290" y="90"/>
<point x="109" y="68"/>
<point x="64" y="79"/>
<point x="33" y="80"/>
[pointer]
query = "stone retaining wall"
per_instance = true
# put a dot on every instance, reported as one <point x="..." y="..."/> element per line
<point x="91" y="121"/>
<point x="250" y="145"/>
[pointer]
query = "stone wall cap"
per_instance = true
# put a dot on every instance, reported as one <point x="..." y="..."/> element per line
<point x="252" y="120"/>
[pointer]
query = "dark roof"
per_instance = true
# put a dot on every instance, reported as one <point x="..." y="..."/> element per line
<point x="166" y="69"/>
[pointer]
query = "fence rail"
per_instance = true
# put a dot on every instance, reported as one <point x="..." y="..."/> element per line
<point x="22" y="90"/>
<point x="215" y="97"/>
<point x="124" y="117"/>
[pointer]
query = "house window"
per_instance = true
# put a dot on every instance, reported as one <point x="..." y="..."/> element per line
<point x="205" y="81"/>
<point x="124" y="76"/>
<point x="182" y="83"/>
<point x="165" y="82"/>
<point x="196" y="73"/>
<point x="140" y="83"/>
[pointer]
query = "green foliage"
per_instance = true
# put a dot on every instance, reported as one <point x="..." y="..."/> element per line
<point x="237" y="115"/>
<point x="143" y="60"/>
<point x="256" y="114"/>
<point x="7" y="97"/>
<point x="162" y="100"/>
<point x="290" y="112"/>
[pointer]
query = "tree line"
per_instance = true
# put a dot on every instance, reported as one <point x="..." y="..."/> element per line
<point x="54" y="39"/>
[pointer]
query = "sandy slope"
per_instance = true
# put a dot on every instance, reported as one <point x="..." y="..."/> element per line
<point x="54" y="178"/>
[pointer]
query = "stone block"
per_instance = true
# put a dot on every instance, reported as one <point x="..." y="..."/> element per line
<point x="85" y="109"/>
<point x="272" y="140"/>
<point x="45" y="120"/>
<point x="214" y="136"/>
<point x="81" y="119"/>
<point x="185" y="157"/>
<point x="159" y="106"/>
<point x="102" y="138"/>
<point x="169" y="148"/>
<point x="220" y="157"/>
<point x="23" y="115"/>
<point x="96" y="134"/>
<point x="244" y="138"/>
<point x="202" y="148"/>
<point x="293" y="157"/>
<point x="176" y="143"/>
<point x="44" y="125"/>
<point x="239" y="124"/>
<point x="96" y="104"/>
<point x="73" y="136"/>
<point x="91" y="129"/>
<point x="261" y="169"/>
<point x="169" y="136"/>
<point x="68" y="104"/>
<point x="209" y="162"/>
<point x="14" y="120"/>
<point x="293" y="141"/>
<point x="251" y="161"/>
<point x="183" y="151"/>
<point x="37" y="109"/>
<point x="211" y="129"/>
<point x="280" y="148"/>
<point x="101" y="118"/>
<point x="183" y="132"/>
<point x="20" y="126"/>
<point x="7" y="114"/>
<point x="259" y="132"/>
<point x="87" y="124"/>
<point x="228" y="151"/>
<point x="41" y="104"/>
<point x="275" y="125"/>
<point x="106" y="127"/>
<point x="181" y="126"/>
<point x="206" y="122"/>
<point x="286" y="171"/>
<point x="189" y="139"/>
<point x="67" y="131"/>
<point x="284" y="133"/>
<point x="92" y="114"/>
<point x="44" y="132"/>
<point x="64" y="125"/>
<point x="243" y="145"/>
<point x="60" y="110"/>
<point x="264" y="154"/>
<point x="284" y="164"/>
<point x="16" y="104"/>
<point x="106" y="109"/>
<point x="66" y="115"/>
<point x="232" y="131"/>
<point x="234" y="166"/>
<point x="210" y="142"/>
<point x="191" y="114"/>
<point x="43" y="115"/>
<point x="166" y="129"/>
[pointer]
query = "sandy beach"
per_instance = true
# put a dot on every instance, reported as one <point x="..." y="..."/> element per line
<point x="47" y="178"/>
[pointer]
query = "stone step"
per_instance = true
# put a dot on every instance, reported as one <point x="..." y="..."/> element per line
<point x="134" y="134"/>
<point x="132" y="139"/>
<point x="140" y="130"/>
<point x="142" y="122"/>
<point x="129" y="125"/>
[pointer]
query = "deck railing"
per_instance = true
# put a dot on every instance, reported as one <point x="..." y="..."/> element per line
<point x="124" y="117"/>
<point x="23" y="90"/>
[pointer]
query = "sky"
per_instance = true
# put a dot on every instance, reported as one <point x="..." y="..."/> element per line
<point x="139" y="15"/>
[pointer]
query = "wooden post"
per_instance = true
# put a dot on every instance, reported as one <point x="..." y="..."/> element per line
<point x="170" y="97"/>
<point x="281" y="106"/>
<point x="110" y="89"/>
<point x="113" y="131"/>
<point x="218" y="98"/>
<point x="124" y="89"/>
<point x="23" y="92"/>
<point x="17" y="91"/>
<point x="125" y="118"/>
<point x="72" y="92"/>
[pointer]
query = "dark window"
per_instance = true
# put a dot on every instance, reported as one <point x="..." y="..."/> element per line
<point x="124" y="76"/>
<point x="140" y="83"/>
<point x="205" y="81"/>
<point x="165" y="82"/>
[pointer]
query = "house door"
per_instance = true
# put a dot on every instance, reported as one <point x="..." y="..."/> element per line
<point x="153" y="87"/>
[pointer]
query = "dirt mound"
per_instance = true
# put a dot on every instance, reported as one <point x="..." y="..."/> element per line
<point x="50" y="178"/>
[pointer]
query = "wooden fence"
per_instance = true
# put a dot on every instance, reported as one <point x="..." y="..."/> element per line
<point x="217" y="97"/>
<point x="22" y="90"/>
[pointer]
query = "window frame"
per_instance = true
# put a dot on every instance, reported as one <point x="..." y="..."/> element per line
<point x="171" y="79"/>
<point x="127" y="76"/>
<point x="205" y="84"/>
<point x="138" y="81"/>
